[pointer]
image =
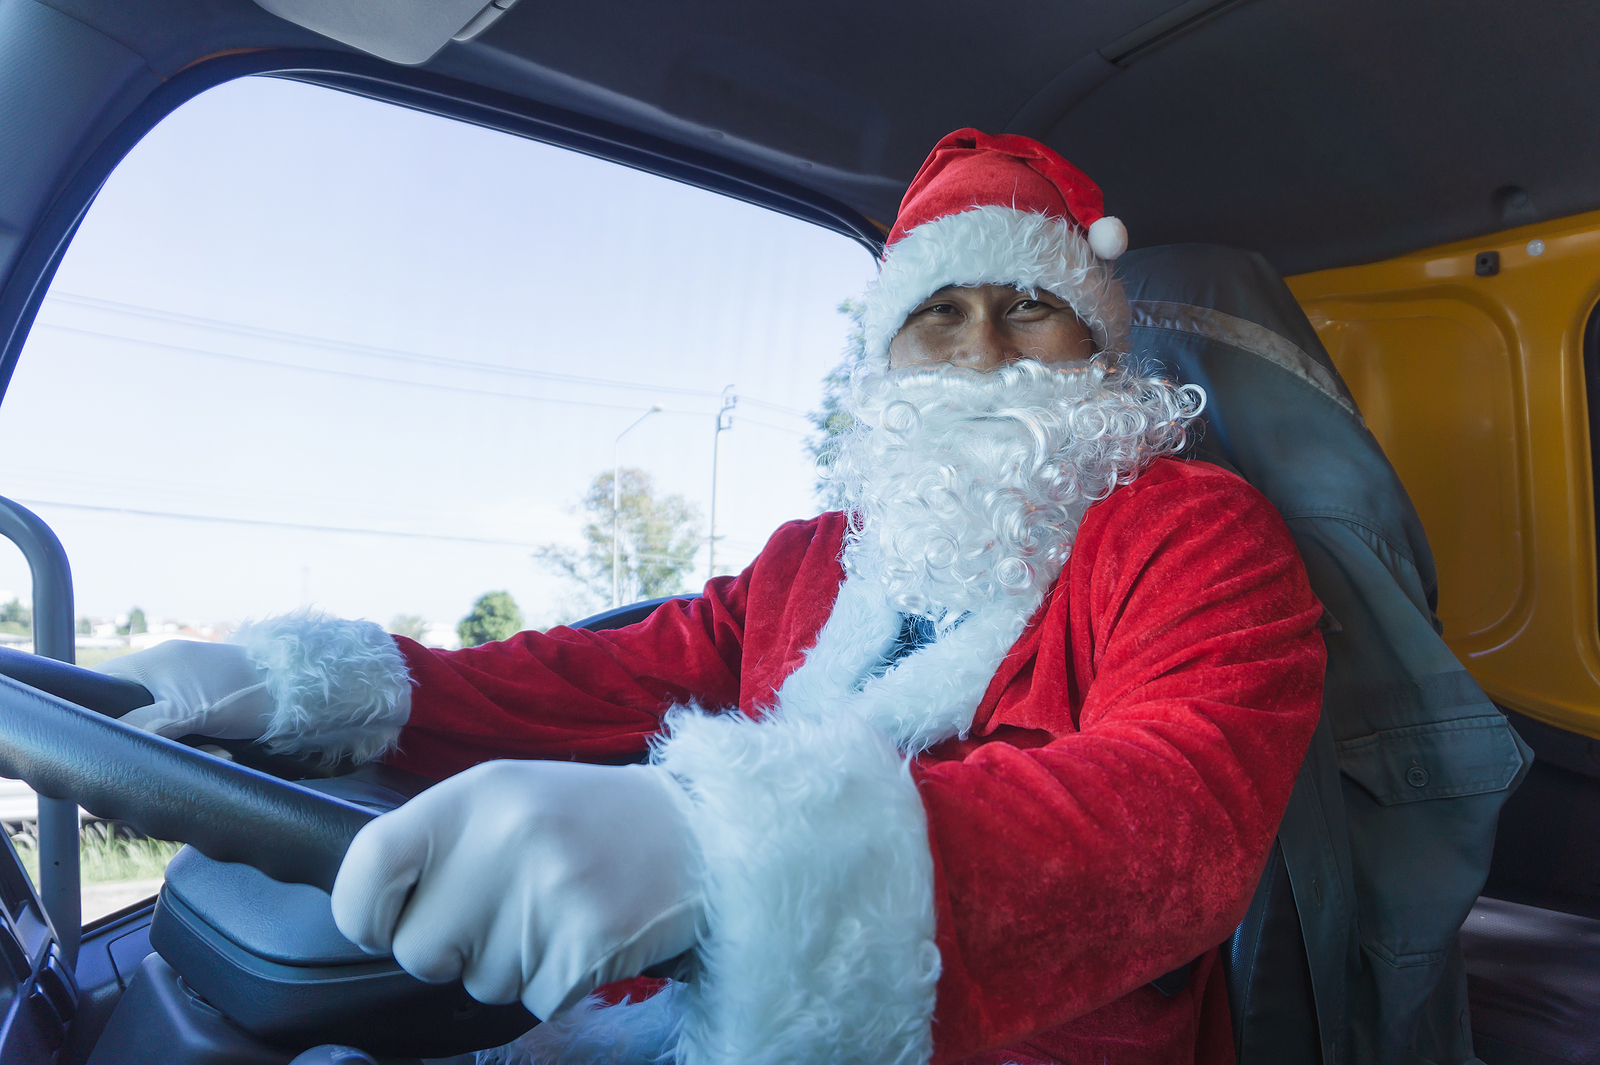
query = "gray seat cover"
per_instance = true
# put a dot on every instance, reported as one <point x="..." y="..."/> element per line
<point x="1389" y="831"/>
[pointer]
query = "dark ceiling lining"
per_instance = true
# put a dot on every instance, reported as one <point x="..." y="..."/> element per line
<point x="1318" y="133"/>
<point x="853" y="89"/>
<point x="1326" y="136"/>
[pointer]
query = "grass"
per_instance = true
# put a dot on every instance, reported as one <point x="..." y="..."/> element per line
<point x="108" y="855"/>
<point x="89" y="657"/>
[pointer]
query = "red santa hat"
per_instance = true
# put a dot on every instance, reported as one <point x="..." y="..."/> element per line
<point x="999" y="210"/>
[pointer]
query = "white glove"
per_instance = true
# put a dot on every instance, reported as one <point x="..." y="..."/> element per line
<point x="531" y="880"/>
<point x="209" y="689"/>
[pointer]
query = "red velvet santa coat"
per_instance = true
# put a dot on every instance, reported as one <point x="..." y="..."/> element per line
<point x="1108" y="815"/>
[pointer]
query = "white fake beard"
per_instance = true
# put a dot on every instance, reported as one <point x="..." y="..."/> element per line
<point x="964" y="488"/>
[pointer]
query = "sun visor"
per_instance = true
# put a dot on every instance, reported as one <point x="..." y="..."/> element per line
<point x="401" y="31"/>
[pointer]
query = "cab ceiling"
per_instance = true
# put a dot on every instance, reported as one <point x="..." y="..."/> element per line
<point x="1318" y="133"/>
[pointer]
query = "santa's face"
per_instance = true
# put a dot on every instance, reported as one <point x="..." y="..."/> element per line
<point x="985" y="327"/>
<point x="965" y="488"/>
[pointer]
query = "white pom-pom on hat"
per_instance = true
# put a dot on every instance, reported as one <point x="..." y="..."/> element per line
<point x="1108" y="237"/>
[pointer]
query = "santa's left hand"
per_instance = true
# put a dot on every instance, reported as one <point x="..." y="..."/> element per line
<point x="531" y="880"/>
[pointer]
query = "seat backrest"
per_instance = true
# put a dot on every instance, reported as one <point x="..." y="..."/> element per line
<point x="1269" y="976"/>
<point x="1388" y="835"/>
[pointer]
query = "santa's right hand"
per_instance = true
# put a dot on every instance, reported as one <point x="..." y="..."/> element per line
<point x="204" y="689"/>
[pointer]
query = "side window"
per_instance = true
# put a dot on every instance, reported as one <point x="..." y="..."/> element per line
<point x="312" y="351"/>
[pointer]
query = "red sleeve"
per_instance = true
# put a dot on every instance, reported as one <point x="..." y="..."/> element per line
<point x="570" y="693"/>
<point x="1071" y="873"/>
<point x="600" y="696"/>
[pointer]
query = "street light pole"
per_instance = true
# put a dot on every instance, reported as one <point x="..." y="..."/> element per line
<point x="724" y="422"/>
<point x="616" y="508"/>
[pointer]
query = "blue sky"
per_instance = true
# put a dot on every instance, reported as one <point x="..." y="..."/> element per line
<point x="293" y="305"/>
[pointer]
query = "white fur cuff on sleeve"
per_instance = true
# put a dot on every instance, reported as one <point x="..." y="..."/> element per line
<point x="819" y="893"/>
<point x="338" y="687"/>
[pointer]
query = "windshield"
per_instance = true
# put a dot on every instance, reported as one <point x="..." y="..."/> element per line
<point x="312" y="350"/>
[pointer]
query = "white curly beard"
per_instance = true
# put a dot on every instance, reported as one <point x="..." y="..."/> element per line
<point x="963" y="488"/>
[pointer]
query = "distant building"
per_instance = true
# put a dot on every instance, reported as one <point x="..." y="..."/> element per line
<point x="440" y="634"/>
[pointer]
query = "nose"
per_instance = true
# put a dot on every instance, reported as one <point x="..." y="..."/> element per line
<point x="986" y="345"/>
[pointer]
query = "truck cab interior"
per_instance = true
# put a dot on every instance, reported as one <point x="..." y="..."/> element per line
<point x="1372" y="231"/>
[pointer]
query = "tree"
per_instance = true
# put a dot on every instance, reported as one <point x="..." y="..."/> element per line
<point x="16" y="618"/>
<point x="833" y="417"/>
<point x="411" y="626"/>
<point x="658" y="540"/>
<point x="495" y="616"/>
<point x="131" y="623"/>
<point x="85" y="627"/>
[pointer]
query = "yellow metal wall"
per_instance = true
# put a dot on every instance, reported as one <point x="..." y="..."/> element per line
<point x="1474" y="386"/>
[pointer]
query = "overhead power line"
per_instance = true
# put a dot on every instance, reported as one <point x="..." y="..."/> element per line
<point x="353" y="375"/>
<point x="299" y="526"/>
<point x="379" y="351"/>
<point x="371" y="350"/>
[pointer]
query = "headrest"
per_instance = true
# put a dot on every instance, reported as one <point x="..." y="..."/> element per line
<point x="1277" y="410"/>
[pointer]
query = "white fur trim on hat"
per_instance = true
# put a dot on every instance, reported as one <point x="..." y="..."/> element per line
<point x="819" y="893"/>
<point x="338" y="687"/>
<point x="1000" y="246"/>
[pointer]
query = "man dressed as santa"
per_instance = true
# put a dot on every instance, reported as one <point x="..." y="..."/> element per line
<point x="950" y="776"/>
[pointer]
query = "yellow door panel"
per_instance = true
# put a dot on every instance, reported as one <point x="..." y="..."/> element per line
<point x="1474" y="386"/>
<point x="1440" y="369"/>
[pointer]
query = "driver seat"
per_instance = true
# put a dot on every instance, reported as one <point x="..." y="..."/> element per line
<point x="1348" y="952"/>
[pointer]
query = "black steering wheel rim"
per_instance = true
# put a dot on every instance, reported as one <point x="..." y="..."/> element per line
<point x="161" y="787"/>
<point x="59" y="733"/>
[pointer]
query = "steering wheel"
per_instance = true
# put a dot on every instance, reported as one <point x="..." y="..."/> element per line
<point x="265" y="954"/>
<point x="225" y="810"/>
